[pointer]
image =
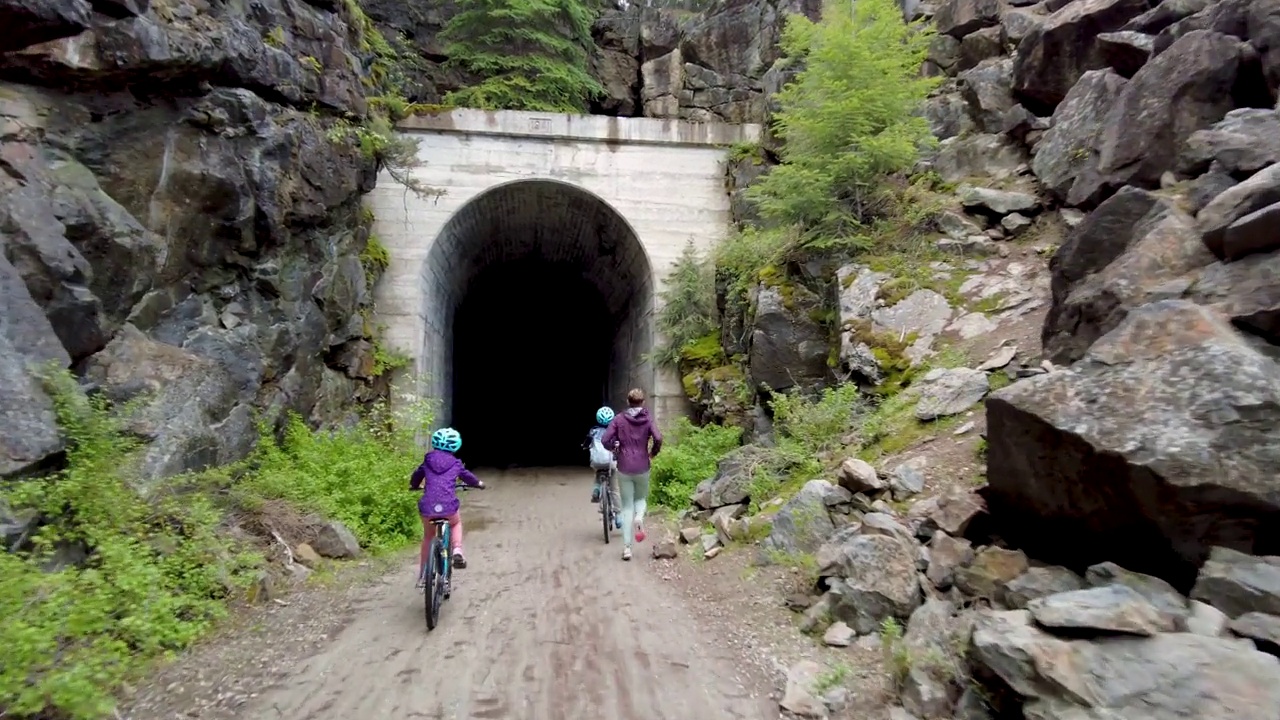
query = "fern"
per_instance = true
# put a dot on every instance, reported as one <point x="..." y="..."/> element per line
<point x="529" y="54"/>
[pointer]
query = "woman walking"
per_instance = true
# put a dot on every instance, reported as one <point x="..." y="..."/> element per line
<point x="630" y="434"/>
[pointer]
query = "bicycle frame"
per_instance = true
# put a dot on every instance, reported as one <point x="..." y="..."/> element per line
<point x="443" y="532"/>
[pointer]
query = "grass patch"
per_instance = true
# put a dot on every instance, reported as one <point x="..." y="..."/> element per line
<point x="689" y="456"/>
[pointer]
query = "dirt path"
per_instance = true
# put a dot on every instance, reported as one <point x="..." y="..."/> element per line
<point x="546" y="623"/>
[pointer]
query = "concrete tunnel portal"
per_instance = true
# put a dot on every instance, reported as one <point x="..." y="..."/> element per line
<point x="548" y="301"/>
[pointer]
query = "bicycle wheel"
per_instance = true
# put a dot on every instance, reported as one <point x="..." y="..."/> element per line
<point x="606" y="508"/>
<point x="434" y="584"/>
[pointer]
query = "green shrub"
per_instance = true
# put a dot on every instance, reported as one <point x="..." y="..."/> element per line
<point x="155" y="577"/>
<point x="528" y="54"/>
<point x="850" y="117"/>
<point x="142" y="578"/>
<point x="358" y="475"/>
<point x="689" y="456"/>
<point x="688" y="315"/>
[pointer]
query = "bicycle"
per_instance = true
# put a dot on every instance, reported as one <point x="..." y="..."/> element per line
<point x="608" y="513"/>
<point x="437" y="573"/>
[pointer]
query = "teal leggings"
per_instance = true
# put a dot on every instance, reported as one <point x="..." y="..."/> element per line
<point x="635" y="500"/>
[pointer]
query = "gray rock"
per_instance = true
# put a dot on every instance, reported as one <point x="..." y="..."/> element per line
<point x="839" y="635"/>
<point x="1125" y="51"/>
<point x="1168" y="676"/>
<point x="1237" y="583"/>
<point x="958" y="18"/>
<point x="860" y="477"/>
<point x="1205" y="619"/>
<point x="1185" y="89"/>
<point x="872" y="577"/>
<point x="946" y="554"/>
<point x="1165" y="14"/>
<point x="1015" y="223"/>
<point x="1261" y="628"/>
<point x="788" y="347"/>
<point x="936" y="639"/>
<point x="803" y="524"/>
<point x="1125" y="255"/>
<point x="1124" y="413"/>
<point x="950" y="392"/>
<point x="1244" y="142"/>
<point x="1253" y="233"/>
<point x="973" y="156"/>
<point x="27" y="414"/>
<point x="1065" y="46"/>
<point x="988" y="92"/>
<point x="731" y="484"/>
<point x="710" y="543"/>
<point x="856" y="301"/>
<point x="980" y="45"/>
<point x="799" y="697"/>
<point x="1001" y="357"/>
<point x="1260" y="191"/>
<point x="1019" y="23"/>
<point x="956" y="224"/>
<point x="951" y="512"/>
<point x="948" y="115"/>
<point x="334" y="540"/>
<point x="999" y="202"/>
<point x="1069" y="146"/>
<point x="992" y="569"/>
<point x="924" y="313"/>
<point x="1247" y="291"/>
<point x="907" y="479"/>
<point x="1038" y="582"/>
<point x="1107" y="609"/>
<point x="29" y="23"/>
<point x="1171" y="603"/>
<point x="972" y="325"/>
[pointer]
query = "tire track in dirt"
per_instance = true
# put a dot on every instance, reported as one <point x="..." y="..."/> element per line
<point x="546" y="623"/>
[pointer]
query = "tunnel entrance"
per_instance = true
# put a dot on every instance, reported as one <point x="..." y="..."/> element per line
<point x="547" y="302"/>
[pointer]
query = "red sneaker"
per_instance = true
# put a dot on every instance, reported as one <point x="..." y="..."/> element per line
<point x="639" y="534"/>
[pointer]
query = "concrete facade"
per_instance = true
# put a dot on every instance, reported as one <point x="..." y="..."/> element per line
<point x="619" y="196"/>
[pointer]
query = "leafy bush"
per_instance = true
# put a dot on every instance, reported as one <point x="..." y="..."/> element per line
<point x="849" y="122"/>
<point x="529" y="54"/>
<point x="689" y="456"/>
<point x="688" y="313"/>
<point x="850" y="118"/>
<point x="358" y="475"/>
<point x="111" y="580"/>
<point x="154" y="577"/>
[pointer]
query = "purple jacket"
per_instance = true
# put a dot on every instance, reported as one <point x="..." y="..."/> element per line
<point x="440" y="469"/>
<point x="631" y="431"/>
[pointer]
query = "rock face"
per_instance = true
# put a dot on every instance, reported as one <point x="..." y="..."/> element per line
<point x="788" y="347"/>
<point x="1139" y="430"/>
<point x="198" y="253"/>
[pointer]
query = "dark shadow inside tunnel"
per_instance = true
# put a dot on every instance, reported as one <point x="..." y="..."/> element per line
<point x="532" y="345"/>
<point x="539" y="306"/>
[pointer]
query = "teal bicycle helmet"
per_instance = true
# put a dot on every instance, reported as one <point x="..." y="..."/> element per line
<point x="446" y="439"/>
<point x="604" y="415"/>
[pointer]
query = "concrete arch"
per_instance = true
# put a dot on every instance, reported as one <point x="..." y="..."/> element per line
<point x="511" y="174"/>
<point x="548" y="302"/>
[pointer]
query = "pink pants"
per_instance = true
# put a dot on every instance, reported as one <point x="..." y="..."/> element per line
<point x="455" y="535"/>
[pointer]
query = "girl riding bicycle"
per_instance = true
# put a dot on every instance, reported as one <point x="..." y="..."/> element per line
<point x="439" y="470"/>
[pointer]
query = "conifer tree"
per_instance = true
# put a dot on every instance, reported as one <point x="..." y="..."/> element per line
<point x="528" y="54"/>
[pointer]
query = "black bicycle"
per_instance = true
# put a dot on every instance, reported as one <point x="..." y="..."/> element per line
<point x="608" y="513"/>
<point x="437" y="573"/>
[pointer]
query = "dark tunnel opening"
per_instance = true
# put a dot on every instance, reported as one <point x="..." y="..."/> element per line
<point x="539" y="308"/>
<point x="532" y="346"/>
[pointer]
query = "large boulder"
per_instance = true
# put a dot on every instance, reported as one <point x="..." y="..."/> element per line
<point x="1187" y="88"/>
<point x="1137" y="247"/>
<point x="803" y="524"/>
<point x="1235" y="223"/>
<point x="28" y="22"/>
<point x="1054" y="55"/>
<point x="872" y="577"/>
<point x="1123" y="453"/>
<point x="1166" y="677"/>
<point x="1243" y="142"/>
<point x="789" y="347"/>
<point x="1069" y="146"/>
<point x="1247" y="291"/>
<point x="731" y="484"/>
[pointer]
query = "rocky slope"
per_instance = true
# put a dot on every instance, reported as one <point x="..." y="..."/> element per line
<point x="690" y="59"/>
<point x="180" y="219"/>
<point x="1125" y="518"/>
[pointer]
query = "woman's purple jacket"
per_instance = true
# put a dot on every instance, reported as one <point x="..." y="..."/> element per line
<point x="631" y="432"/>
<point x="440" y="469"/>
